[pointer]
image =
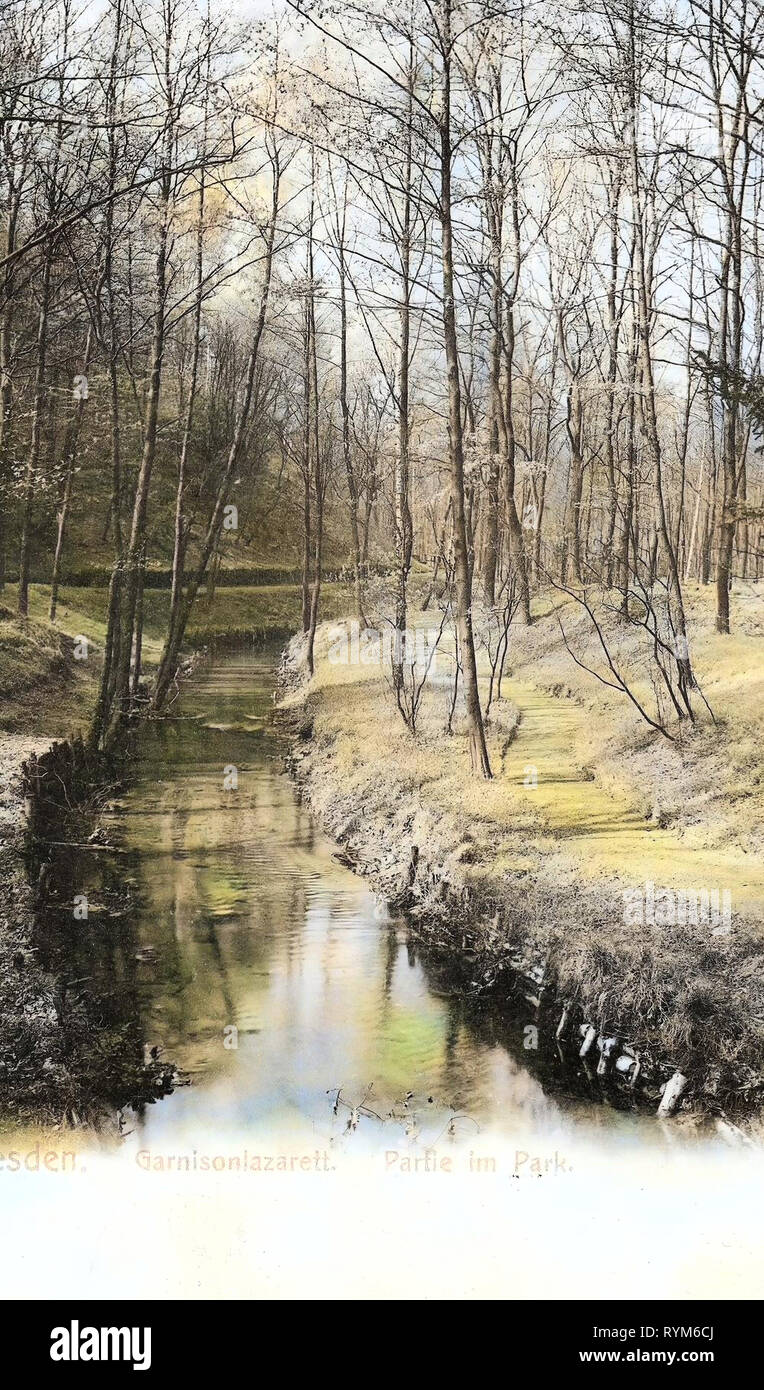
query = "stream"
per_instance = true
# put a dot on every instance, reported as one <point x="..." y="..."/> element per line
<point x="274" y="978"/>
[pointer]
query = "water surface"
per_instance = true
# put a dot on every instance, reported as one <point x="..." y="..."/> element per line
<point x="276" y="981"/>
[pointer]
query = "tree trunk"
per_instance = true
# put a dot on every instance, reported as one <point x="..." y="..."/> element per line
<point x="69" y="458"/>
<point x="170" y="653"/>
<point x="404" y="531"/>
<point x="123" y="633"/>
<point x="649" y="414"/>
<point x="462" y="581"/>
<point x="33" y="457"/>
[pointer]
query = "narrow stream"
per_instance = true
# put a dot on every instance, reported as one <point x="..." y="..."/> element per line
<point x="269" y="973"/>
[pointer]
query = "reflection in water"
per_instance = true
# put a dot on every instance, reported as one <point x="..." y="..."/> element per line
<point x="274" y="979"/>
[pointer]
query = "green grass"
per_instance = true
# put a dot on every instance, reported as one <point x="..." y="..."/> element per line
<point x="28" y="653"/>
<point x="82" y="611"/>
<point x="34" y="654"/>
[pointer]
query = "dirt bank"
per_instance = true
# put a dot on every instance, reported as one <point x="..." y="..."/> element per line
<point x="67" y="1054"/>
<point x="44" y="696"/>
<point x="483" y="877"/>
<point x="39" y="681"/>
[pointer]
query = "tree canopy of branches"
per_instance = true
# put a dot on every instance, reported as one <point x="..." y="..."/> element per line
<point x="474" y="285"/>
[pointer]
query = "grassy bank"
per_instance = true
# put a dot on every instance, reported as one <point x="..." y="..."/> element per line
<point x="586" y="803"/>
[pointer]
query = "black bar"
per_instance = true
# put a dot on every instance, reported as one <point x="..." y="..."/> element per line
<point x="209" y="1339"/>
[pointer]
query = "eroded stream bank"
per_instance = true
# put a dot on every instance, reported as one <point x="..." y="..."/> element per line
<point x="71" y="1051"/>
